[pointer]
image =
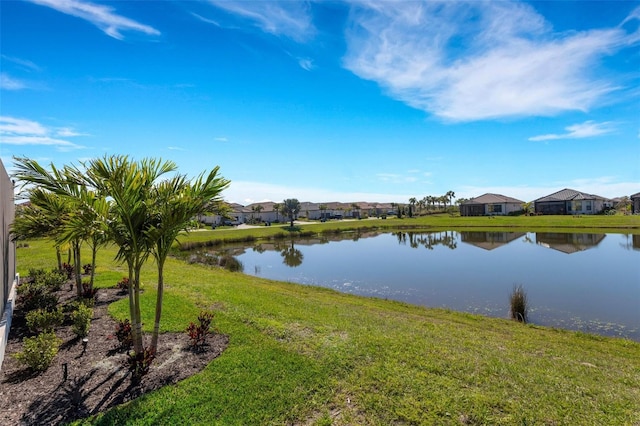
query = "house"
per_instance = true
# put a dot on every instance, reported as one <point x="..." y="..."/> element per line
<point x="635" y="203"/>
<point x="8" y="276"/>
<point x="570" y="201"/>
<point x="490" y="204"/>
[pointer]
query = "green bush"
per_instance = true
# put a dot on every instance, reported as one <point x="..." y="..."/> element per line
<point x="81" y="318"/>
<point x="36" y="295"/>
<point x="52" y="280"/>
<point x="42" y="320"/>
<point x="39" y="351"/>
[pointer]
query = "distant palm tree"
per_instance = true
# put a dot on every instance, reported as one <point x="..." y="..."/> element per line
<point x="276" y="208"/>
<point x="291" y="208"/>
<point x="412" y="204"/>
<point x="449" y="196"/>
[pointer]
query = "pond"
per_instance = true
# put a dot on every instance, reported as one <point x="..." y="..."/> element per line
<point x="586" y="282"/>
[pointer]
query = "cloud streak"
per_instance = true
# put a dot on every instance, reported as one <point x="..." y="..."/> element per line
<point x="9" y="83"/>
<point x="289" y="19"/>
<point x="479" y="60"/>
<point x="587" y="129"/>
<point x="19" y="131"/>
<point x="102" y="17"/>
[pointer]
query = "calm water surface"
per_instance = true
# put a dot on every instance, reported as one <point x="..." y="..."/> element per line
<point x="587" y="282"/>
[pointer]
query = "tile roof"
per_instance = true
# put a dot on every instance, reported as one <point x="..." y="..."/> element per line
<point x="492" y="199"/>
<point x="568" y="195"/>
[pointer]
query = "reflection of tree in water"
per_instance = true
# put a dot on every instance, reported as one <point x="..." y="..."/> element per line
<point x="427" y="240"/>
<point x="291" y="256"/>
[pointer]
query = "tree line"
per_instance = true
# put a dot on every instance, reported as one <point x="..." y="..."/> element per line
<point x="428" y="204"/>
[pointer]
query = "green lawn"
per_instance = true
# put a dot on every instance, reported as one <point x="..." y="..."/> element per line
<point x="629" y="224"/>
<point x="310" y="356"/>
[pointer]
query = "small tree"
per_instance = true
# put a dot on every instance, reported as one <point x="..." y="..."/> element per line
<point x="291" y="208"/>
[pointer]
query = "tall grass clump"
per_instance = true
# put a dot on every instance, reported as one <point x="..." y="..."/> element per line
<point x="518" y="299"/>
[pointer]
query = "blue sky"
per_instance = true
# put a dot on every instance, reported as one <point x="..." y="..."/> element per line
<point x="330" y="100"/>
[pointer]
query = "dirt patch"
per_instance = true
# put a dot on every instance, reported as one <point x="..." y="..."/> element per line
<point x="96" y="375"/>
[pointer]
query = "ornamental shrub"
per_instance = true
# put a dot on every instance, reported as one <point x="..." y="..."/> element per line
<point x="198" y="332"/>
<point x="42" y="320"/>
<point x="123" y="334"/>
<point x="39" y="351"/>
<point x="81" y="318"/>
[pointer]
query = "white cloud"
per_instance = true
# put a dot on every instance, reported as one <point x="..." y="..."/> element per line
<point x="18" y="126"/>
<point x="101" y="16"/>
<point x="175" y="148"/>
<point x="578" y="131"/>
<point x="464" y="61"/>
<point x="23" y="63"/>
<point x="221" y="139"/>
<point x="9" y="83"/>
<point x="290" y="19"/>
<point x="68" y="132"/>
<point x="306" y="64"/>
<point x="19" y="131"/>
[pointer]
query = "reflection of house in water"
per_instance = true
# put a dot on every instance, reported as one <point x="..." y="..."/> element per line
<point x="635" y="240"/>
<point x="568" y="243"/>
<point x="489" y="240"/>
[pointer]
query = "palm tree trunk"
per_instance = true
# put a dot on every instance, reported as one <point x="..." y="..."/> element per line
<point x="94" y="251"/>
<point x="59" y="258"/>
<point x="138" y="344"/>
<point x="156" y="324"/>
<point x="76" y="267"/>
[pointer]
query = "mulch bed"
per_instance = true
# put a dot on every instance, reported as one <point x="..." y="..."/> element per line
<point x="97" y="376"/>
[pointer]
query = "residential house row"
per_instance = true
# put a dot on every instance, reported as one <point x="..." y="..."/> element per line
<point x="270" y="211"/>
<point x="564" y="202"/>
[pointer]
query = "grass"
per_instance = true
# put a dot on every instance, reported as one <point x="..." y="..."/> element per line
<point x="629" y="224"/>
<point x="304" y="355"/>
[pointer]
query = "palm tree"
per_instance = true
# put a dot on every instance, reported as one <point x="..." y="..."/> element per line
<point x="412" y="204"/>
<point x="129" y="184"/>
<point x="276" y="208"/>
<point x="291" y="208"/>
<point x="449" y="196"/>
<point x="41" y="221"/>
<point x="176" y="202"/>
<point x="58" y="193"/>
<point x="257" y="208"/>
<point x="421" y="204"/>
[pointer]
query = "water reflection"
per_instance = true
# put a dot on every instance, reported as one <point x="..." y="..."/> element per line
<point x="292" y="257"/>
<point x="428" y="240"/>
<point x="490" y="240"/>
<point x="568" y="243"/>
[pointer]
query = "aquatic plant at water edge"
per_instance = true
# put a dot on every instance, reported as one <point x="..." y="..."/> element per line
<point x="518" y="299"/>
